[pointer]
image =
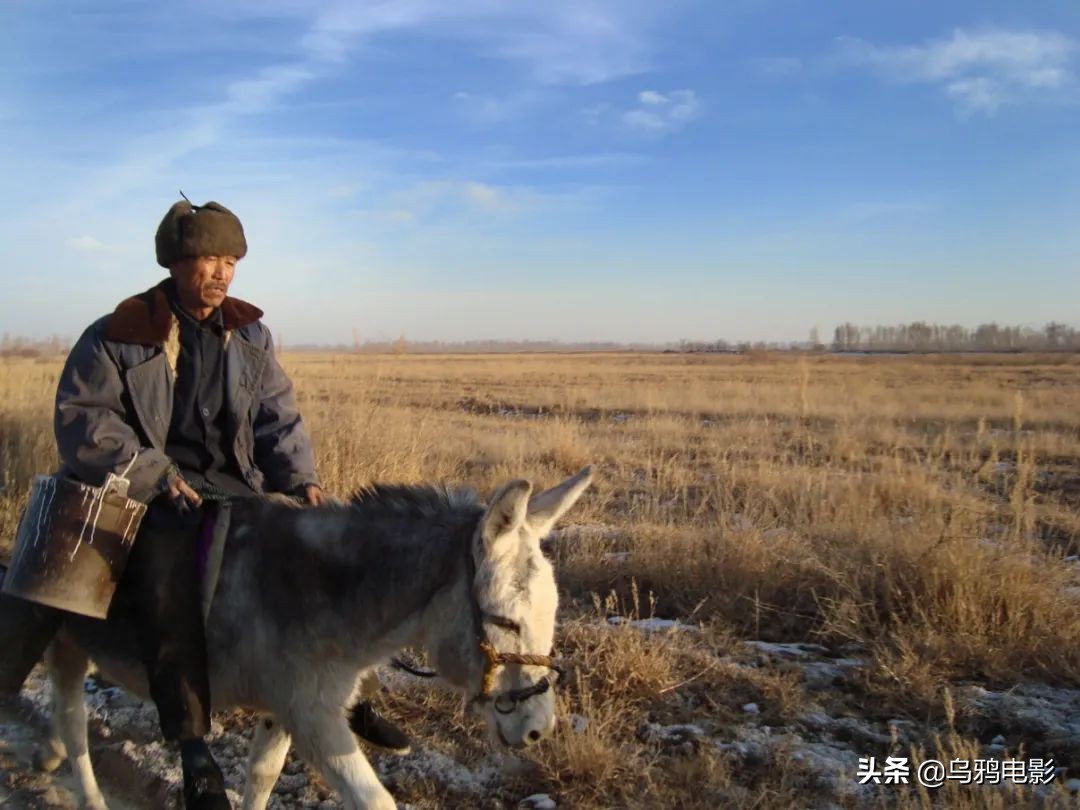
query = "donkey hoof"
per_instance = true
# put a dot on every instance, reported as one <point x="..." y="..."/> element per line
<point x="45" y="760"/>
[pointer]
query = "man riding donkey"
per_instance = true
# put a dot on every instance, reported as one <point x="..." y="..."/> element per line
<point x="178" y="390"/>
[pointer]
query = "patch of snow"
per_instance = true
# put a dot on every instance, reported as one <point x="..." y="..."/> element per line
<point x="427" y="764"/>
<point x="823" y="674"/>
<point x="751" y="745"/>
<point x="1029" y="713"/>
<point x="795" y="650"/>
<point x="682" y="738"/>
<point x="816" y="720"/>
<point x="859" y="732"/>
<point x="833" y="766"/>
<point x="538" y="801"/>
<point x="652" y="625"/>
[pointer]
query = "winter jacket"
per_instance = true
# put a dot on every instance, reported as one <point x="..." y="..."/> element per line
<point x="115" y="399"/>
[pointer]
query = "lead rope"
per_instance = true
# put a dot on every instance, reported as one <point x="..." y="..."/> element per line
<point x="130" y="464"/>
<point x="400" y="663"/>
<point x="478" y="627"/>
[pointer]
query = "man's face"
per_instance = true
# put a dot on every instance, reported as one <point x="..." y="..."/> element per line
<point x="203" y="281"/>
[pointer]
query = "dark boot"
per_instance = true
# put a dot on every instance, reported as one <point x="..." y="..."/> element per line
<point x="204" y="786"/>
<point x="26" y="629"/>
<point x="371" y="726"/>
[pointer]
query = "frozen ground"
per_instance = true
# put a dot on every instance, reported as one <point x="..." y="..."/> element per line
<point x="137" y="771"/>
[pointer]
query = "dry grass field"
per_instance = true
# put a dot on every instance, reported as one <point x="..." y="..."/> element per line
<point x="913" y="517"/>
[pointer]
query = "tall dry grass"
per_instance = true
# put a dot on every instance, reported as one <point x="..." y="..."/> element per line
<point x="920" y="508"/>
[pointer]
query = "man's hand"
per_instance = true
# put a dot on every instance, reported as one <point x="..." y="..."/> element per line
<point x="178" y="488"/>
<point x="314" y="495"/>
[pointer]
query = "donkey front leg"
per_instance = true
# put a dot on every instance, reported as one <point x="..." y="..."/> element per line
<point x="322" y="737"/>
<point x="269" y="747"/>
<point x="67" y="666"/>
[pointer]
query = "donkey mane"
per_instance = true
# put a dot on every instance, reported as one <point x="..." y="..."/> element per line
<point x="429" y="503"/>
<point x="419" y="501"/>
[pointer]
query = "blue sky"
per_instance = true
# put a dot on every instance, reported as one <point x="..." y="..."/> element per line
<point x="617" y="170"/>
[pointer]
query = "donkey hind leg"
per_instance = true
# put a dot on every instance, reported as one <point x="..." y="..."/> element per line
<point x="67" y="666"/>
<point x="269" y="747"/>
<point x="51" y="753"/>
<point x="322" y="737"/>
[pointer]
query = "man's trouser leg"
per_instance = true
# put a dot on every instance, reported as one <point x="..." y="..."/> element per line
<point x="163" y="588"/>
<point x="26" y="629"/>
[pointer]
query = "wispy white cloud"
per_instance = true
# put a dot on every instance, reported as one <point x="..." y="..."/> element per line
<point x="87" y="244"/>
<point x="581" y="42"/>
<point x="485" y="197"/>
<point x="446" y="198"/>
<point x="256" y="93"/>
<point x="656" y="113"/>
<point x="981" y="70"/>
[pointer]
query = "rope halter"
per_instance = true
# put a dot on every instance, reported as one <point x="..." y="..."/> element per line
<point x="508" y="701"/>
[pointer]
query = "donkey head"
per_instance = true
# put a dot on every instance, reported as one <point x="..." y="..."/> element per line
<point x="514" y="599"/>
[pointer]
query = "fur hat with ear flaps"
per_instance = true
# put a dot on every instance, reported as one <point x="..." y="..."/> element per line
<point x="198" y="230"/>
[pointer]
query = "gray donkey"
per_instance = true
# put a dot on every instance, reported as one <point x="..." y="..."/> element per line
<point x="310" y="600"/>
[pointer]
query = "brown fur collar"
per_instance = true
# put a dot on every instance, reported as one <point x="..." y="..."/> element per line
<point x="147" y="319"/>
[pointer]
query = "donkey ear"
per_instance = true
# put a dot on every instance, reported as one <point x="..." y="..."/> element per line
<point x="550" y="505"/>
<point x="506" y="513"/>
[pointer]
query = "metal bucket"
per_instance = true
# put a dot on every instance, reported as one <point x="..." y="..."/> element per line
<point x="73" y="543"/>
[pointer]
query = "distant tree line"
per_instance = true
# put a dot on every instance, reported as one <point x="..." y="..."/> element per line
<point x="737" y="347"/>
<point x="402" y="345"/>
<point x="920" y="336"/>
<point x="28" y="347"/>
<point x="848" y="337"/>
